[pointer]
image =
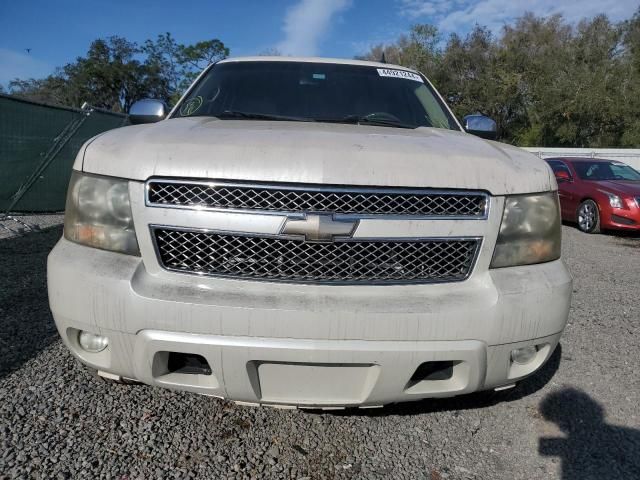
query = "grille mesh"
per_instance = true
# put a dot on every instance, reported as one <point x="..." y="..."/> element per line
<point x="287" y="199"/>
<point x="292" y="260"/>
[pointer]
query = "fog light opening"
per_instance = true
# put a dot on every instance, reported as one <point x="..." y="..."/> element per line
<point x="92" y="342"/>
<point x="430" y="371"/>
<point x="524" y="355"/>
<point x="188" y="364"/>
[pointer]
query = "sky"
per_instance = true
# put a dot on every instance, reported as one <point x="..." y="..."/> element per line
<point x="36" y="36"/>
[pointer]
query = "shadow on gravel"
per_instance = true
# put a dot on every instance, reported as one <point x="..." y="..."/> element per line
<point x="463" y="402"/>
<point x="26" y="325"/>
<point x="628" y="239"/>
<point x="621" y="234"/>
<point x="591" y="448"/>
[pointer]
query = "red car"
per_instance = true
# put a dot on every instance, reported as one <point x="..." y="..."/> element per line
<point x="598" y="194"/>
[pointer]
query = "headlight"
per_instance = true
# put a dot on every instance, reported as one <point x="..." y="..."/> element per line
<point x="530" y="231"/>
<point x="614" y="200"/>
<point x="98" y="214"/>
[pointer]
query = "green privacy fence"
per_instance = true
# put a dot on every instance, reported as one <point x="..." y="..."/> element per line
<point x="38" y="144"/>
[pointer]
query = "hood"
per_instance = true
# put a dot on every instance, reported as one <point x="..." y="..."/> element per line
<point x="307" y="152"/>
<point x="619" y="187"/>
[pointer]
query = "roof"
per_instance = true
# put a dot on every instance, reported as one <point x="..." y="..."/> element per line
<point x="582" y="159"/>
<point x="340" y="61"/>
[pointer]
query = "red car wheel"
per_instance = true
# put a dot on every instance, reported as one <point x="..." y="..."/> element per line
<point x="589" y="217"/>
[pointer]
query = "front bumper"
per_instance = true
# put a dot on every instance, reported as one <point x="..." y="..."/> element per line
<point x="627" y="218"/>
<point x="307" y="345"/>
<point x="619" y="219"/>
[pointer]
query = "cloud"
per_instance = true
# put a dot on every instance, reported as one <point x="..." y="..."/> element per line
<point x="306" y="23"/>
<point x="21" y="65"/>
<point x="460" y="15"/>
<point x="421" y="8"/>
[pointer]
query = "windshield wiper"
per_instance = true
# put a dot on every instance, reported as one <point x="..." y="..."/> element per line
<point x="235" y="114"/>
<point x="354" y="119"/>
<point x="367" y="120"/>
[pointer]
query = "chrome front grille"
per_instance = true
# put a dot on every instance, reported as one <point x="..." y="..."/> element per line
<point x="294" y="260"/>
<point x="315" y="198"/>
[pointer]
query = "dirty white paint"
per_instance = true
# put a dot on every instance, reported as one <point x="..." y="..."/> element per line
<point x="205" y="147"/>
<point x="268" y="342"/>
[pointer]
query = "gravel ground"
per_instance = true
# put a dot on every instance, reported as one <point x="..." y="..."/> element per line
<point x="578" y="419"/>
<point x="16" y="225"/>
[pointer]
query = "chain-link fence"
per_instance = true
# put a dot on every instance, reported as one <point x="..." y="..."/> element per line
<point x="38" y="144"/>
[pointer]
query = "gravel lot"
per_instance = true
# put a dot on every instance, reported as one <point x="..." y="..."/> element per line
<point x="578" y="419"/>
<point x="16" y="225"/>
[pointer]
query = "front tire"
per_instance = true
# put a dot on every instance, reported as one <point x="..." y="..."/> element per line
<point x="589" y="217"/>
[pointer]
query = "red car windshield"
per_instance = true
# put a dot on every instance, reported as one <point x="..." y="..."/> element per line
<point x="599" y="171"/>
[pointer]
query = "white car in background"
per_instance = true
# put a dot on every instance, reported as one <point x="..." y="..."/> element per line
<point x="310" y="232"/>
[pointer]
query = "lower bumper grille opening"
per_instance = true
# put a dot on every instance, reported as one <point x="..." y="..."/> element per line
<point x="293" y="260"/>
<point x="623" y="220"/>
<point x="188" y="364"/>
<point x="442" y="370"/>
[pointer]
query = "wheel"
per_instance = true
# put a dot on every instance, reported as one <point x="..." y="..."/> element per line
<point x="589" y="217"/>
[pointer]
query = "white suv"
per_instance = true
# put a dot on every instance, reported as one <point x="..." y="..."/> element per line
<point x="310" y="232"/>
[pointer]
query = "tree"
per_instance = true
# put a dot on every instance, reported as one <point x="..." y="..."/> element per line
<point x="419" y="49"/>
<point x="194" y="58"/>
<point x="535" y="53"/>
<point x="111" y="77"/>
<point x="46" y="90"/>
<point x="180" y="64"/>
<point x="270" y="52"/>
<point x="471" y="77"/>
<point x="545" y="81"/>
<point x="630" y="80"/>
<point x="162" y="55"/>
<point x="115" y="73"/>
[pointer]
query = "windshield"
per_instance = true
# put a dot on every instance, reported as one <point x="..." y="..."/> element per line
<point x="302" y="91"/>
<point x="606" y="171"/>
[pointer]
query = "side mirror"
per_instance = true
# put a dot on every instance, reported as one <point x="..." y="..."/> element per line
<point x="562" y="176"/>
<point x="147" y="111"/>
<point x="481" y="126"/>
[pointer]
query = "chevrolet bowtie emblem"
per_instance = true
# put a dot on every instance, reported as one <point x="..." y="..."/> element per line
<point x="316" y="227"/>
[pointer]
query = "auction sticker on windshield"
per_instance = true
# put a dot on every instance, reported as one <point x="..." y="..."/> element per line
<point x="191" y="106"/>
<point x="387" y="72"/>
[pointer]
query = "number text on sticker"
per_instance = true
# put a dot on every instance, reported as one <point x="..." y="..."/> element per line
<point x="387" y="72"/>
